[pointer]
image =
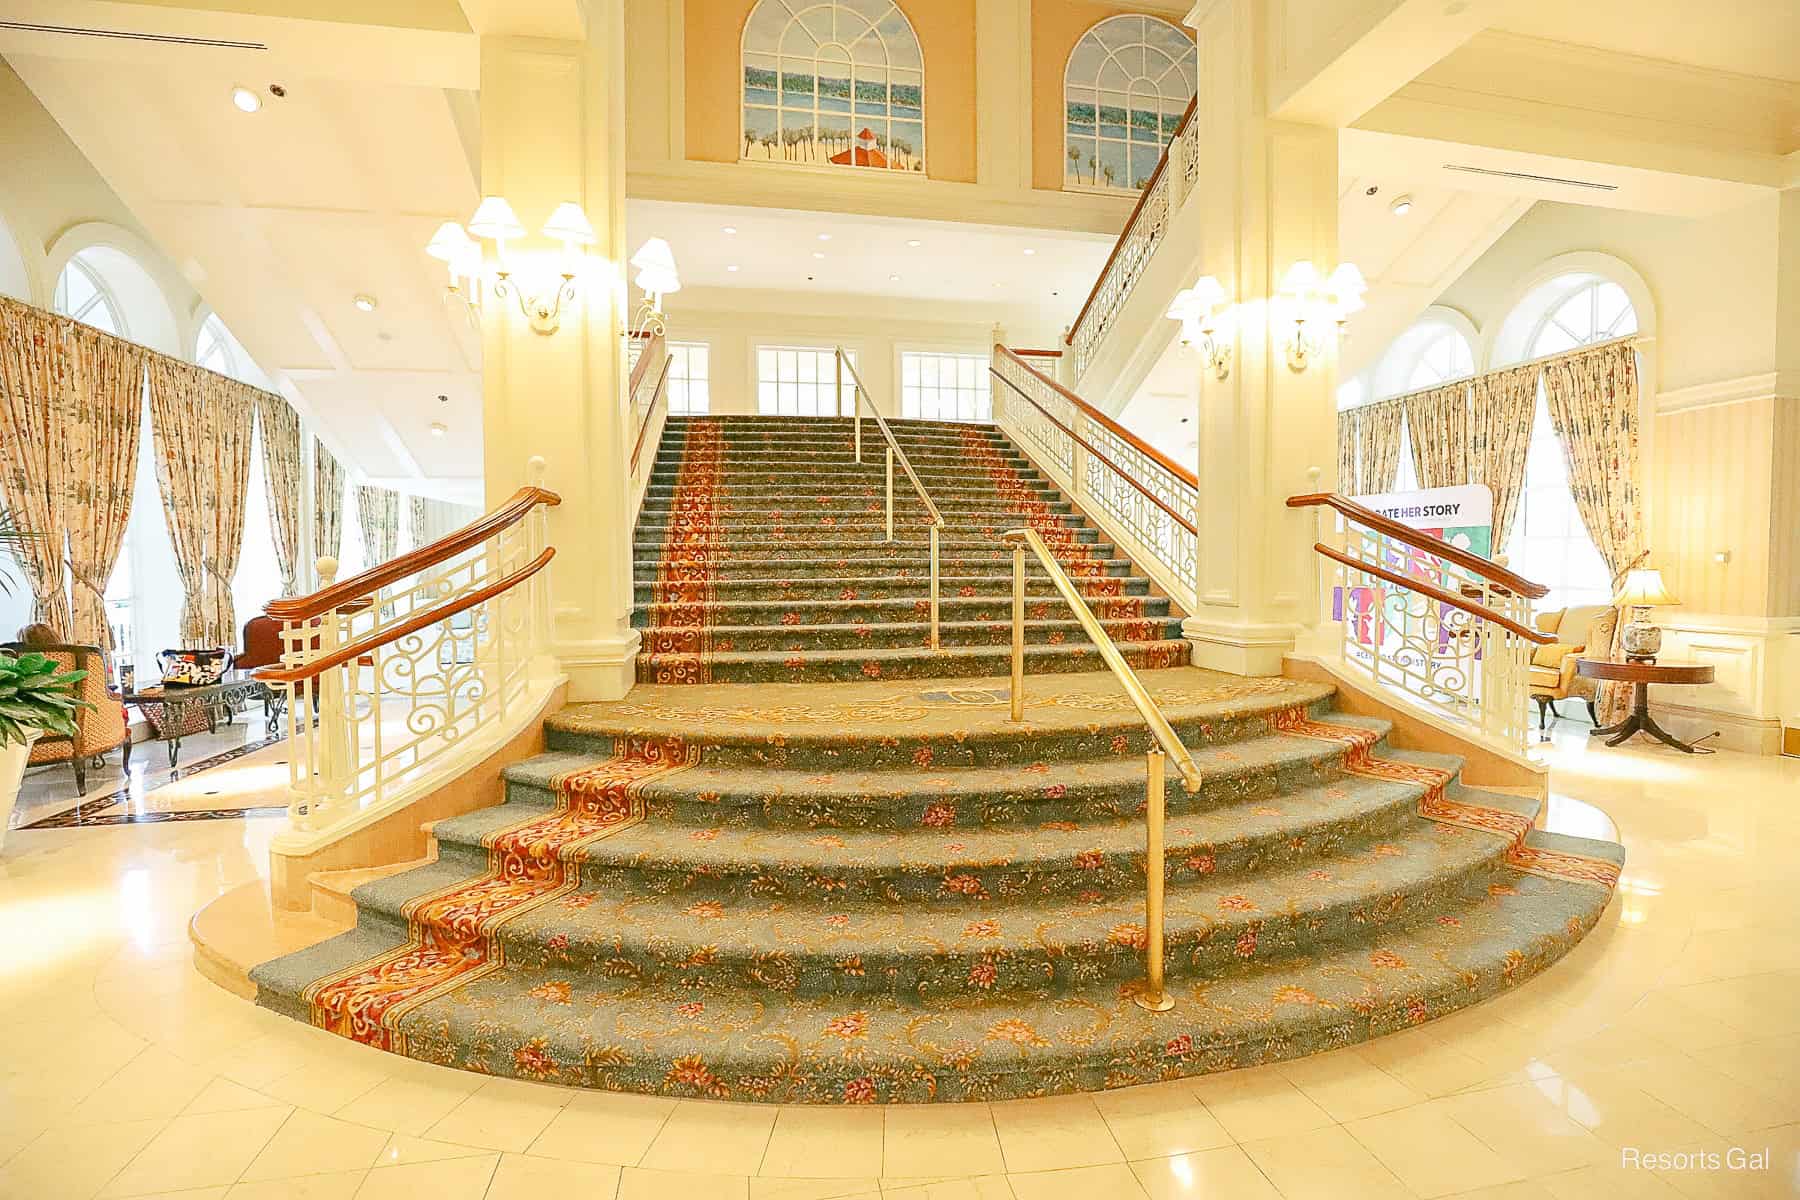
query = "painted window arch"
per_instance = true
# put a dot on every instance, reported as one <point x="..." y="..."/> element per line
<point x="1549" y="542"/>
<point x="82" y="293"/>
<point x="833" y="83"/>
<point x="1128" y="81"/>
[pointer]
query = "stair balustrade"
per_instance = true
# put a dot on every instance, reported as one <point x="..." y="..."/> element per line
<point x="647" y="396"/>
<point x="1144" y="229"/>
<point x="1153" y="995"/>
<point x="1445" y="627"/>
<point x="936" y="529"/>
<point x="1143" y="499"/>
<point x="431" y="655"/>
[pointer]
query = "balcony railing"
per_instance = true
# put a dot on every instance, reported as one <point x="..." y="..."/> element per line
<point x="422" y="658"/>
<point x="1149" y="221"/>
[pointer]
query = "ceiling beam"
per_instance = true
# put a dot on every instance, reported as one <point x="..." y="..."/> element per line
<point x="1337" y="60"/>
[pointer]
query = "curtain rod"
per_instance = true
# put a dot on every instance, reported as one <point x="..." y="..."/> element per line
<point x="72" y="326"/>
<point x="1630" y="339"/>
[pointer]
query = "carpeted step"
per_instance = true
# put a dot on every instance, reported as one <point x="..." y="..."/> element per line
<point x="857" y="587"/>
<point x="950" y="662"/>
<point x="796" y="611"/>
<point x="997" y="631"/>
<point x="912" y="566"/>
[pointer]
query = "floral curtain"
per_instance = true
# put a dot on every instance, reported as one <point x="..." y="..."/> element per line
<point x="35" y="374"/>
<point x="415" y="521"/>
<point x="1346" y="429"/>
<point x="281" y="476"/>
<point x="1439" y="422"/>
<point x="106" y="406"/>
<point x="1500" y="419"/>
<point x="379" y="511"/>
<point x="203" y="423"/>
<point x="1378" y="464"/>
<point x="328" y="503"/>
<point x="1593" y="401"/>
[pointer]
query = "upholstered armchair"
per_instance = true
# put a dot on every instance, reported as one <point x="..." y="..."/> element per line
<point x="98" y="729"/>
<point x="1553" y="675"/>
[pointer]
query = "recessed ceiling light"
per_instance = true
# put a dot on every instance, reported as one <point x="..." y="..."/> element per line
<point x="1029" y="250"/>
<point x="818" y="254"/>
<point x="364" y="302"/>
<point x="245" y="100"/>
<point x="1401" y="206"/>
<point x="732" y="267"/>
<point x="731" y="229"/>
<point x="915" y="243"/>
<point x="439" y="429"/>
<point x="893" y="279"/>
<point x="824" y="237"/>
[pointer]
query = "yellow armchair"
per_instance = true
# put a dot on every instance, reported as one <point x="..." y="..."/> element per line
<point x="1553" y="675"/>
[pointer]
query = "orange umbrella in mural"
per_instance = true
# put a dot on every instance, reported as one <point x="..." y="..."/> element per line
<point x="863" y="154"/>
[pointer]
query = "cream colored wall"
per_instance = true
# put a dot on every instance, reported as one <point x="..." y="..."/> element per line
<point x="54" y="204"/>
<point x="1721" y="436"/>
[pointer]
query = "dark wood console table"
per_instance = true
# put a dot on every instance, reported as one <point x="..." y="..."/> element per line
<point x="1640" y="675"/>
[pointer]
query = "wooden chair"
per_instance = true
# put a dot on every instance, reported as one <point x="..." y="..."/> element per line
<point x="98" y="729"/>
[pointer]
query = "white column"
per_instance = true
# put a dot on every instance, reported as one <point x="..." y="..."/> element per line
<point x="553" y="130"/>
<point x="1003" y="94"/>
<point x="1269" y="199"/>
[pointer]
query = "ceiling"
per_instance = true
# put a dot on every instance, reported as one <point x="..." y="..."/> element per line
<point x="1746" y="37"/>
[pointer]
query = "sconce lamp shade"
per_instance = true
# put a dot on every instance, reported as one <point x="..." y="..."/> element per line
<point x="495" y="219"/>
<point x="448" y="242"/>
<point x="1644" y="587"/>
<point x="1347" y="286"/>
<point x="656" y="268"/>
<point x="569" y="224"/>
<point x="1209" y="294"/>
<point x="1301" y="281"/>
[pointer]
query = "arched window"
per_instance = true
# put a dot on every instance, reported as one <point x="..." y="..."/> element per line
<point x="81" y="293"/>
<point x="15" y="280"/>
<point x="1549" y="543"/>
<point x="1128" y="81"/>
<point x="213" y="348"/>
<point x="1446" y="356"/>
<point x="833" y="83"/>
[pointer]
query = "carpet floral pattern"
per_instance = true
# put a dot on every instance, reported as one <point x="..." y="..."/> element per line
<point x="762" y="556"/>
<point x="872" y="892"/>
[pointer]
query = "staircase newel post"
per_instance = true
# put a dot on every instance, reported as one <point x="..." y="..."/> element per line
<point x="837" y="362"/>
<point x="1154" y="996"/>
<point x="1018" y="632"/>
<point x="890" y="493"/>
<point x="935" y="587"/>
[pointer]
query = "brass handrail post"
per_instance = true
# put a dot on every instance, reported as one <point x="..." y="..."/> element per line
<point x="837" y="400"/>
<point x="1018" y="632"/>
<point x="935" y="589"/>
<point x="1154" y="996"/>
<point x="890" y="494"/>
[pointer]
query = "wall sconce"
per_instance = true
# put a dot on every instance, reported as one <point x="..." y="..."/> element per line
<point x="656" y="278"/>
<point x="1205" y="313"/>
<point x="1311" y="299"/>
<point x="495" y="220"/>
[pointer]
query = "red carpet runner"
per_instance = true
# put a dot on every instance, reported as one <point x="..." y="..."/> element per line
<point x="679" y="637"/>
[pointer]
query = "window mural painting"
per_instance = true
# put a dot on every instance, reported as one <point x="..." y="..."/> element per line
<point x="1128" y="82"/>
<point x="833" y="83"/>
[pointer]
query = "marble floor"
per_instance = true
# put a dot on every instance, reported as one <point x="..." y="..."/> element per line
<point x="1668" y="1042"/>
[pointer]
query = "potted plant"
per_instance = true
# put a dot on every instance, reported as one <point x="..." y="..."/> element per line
<point x="34" y="699"/>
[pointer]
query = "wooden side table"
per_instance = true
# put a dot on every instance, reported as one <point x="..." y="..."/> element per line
<point x="1640" y="675"/>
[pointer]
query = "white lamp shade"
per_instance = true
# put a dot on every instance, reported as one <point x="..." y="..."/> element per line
<point x="569" y="224"/>
<point x="495" y="219"/>
<point x="447" y="242"/>
<point x="1347" y="282"/>
<point x="1209" y="294"/>
<point x="1301" y="281"/>
<point x="1183" y="307"/>
<point x="1644" y="586"/>
<point x="654" y="279"/>
<point x="654" y="255"/>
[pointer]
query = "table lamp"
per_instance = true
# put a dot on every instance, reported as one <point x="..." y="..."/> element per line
<point x="1643" y="588"/>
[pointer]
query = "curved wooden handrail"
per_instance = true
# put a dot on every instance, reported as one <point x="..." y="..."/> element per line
<point x="662" y="386"/>
<point x="1136" y="211"/>
<point x="371" y="642"/>
<point x="1129" y="438"/>
<point x="300" y="608"/>
<point x="1485" y="567"/>
<point x="1436" y="593"/>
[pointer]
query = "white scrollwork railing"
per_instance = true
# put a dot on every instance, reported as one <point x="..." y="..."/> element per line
<point x="1145" y="502"/>
<point x="389" y="672"/>
<point x="1448" y="629"/>
<point x="1149" y="221"/>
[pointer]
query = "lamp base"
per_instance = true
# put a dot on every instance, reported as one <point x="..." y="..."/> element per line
<point x="1640" y="640"/>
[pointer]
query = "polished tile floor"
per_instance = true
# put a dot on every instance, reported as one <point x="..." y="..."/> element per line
<point x="1668" y="1042"/>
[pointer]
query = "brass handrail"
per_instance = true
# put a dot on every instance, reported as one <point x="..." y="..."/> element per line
<point x="935" y="530"/>
<point x="1153" y="996"/>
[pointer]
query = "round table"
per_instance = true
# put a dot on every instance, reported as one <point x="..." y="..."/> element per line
<point x="1640" y="675"/>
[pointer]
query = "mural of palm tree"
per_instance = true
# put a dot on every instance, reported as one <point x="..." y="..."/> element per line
<point x="1074" y="161"/>
<point x="1108" y="172"/>
<point x="1093" y="168"/>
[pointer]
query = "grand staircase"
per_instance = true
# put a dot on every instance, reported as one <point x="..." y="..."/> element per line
<point x="760" y="556"/>
<point x="749" y="884"/>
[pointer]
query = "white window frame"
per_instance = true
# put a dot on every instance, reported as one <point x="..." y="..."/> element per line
<point x="984" y="405"/>
<point x="846" y="396"/>
<point x="681" y="377"/>
<point x="103" y="298"/>
<point x="1185" y="70"/>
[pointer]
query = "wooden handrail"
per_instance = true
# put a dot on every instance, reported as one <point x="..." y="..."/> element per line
<point x="1143" y="197"/>
<point x="1117" y="430"/>
<point x="1026" y="352"/>
<point x="370" y="642"/>
<point x="1436" y="593"/>
<point x="299" y="608"/>
<point x="643" y="362"/>
<point x="1485" y="567"/>
<point x="662" y="384"/>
